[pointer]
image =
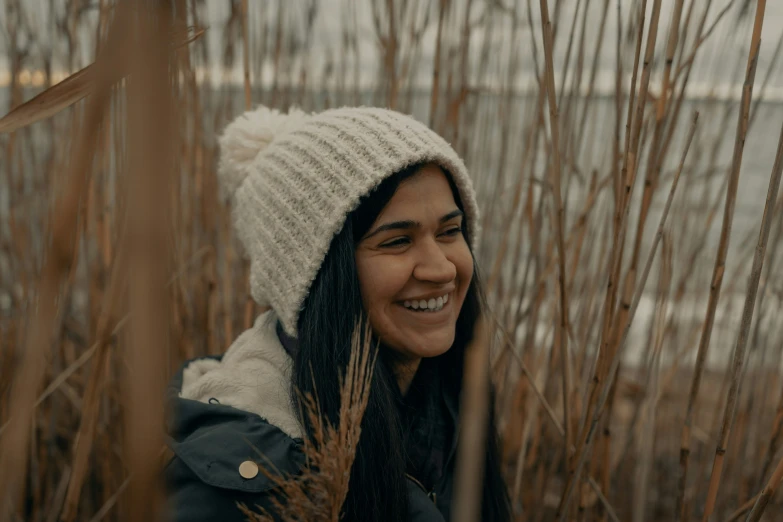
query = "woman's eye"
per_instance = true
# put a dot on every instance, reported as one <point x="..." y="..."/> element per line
<point x="397" y="242"/>
<point x="402" y="241"/>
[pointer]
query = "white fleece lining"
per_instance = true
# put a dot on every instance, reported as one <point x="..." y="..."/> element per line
<point x="254" y="375"/>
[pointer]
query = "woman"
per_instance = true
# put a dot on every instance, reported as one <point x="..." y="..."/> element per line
<point x="346" y="214"/>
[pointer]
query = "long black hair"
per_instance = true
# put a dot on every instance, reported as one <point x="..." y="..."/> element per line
<point x="332" y="309"/>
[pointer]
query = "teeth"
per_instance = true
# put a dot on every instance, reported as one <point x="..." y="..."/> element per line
<point x="433" y="305"/>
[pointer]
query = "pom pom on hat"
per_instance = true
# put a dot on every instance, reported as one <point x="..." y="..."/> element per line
<point x="247" y="136"/>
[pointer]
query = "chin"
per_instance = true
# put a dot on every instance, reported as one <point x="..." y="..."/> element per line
<point x="427" y="345"/>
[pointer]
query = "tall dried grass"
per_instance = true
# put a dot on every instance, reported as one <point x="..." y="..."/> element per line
<point x="624" y="360"/>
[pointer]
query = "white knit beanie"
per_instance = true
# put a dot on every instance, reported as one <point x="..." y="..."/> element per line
<point x="294" y="179"/>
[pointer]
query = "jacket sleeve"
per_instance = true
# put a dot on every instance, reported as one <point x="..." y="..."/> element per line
<point x="189" y="499"/>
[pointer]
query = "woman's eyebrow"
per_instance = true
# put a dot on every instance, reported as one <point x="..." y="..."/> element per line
<point x="408" y="224"/>
<point x="451" y="215"/>
<point x="394" y="225"/>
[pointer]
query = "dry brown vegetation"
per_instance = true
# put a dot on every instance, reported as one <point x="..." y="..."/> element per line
<point x="634" y="280"/>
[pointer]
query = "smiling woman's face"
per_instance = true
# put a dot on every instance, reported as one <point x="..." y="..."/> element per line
<point x="415" y="268"/>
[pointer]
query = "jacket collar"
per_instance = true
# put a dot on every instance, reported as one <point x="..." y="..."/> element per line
<point x="254" y="375"/>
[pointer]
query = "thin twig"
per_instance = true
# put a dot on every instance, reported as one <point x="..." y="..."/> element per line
<point x="554" y="125"/>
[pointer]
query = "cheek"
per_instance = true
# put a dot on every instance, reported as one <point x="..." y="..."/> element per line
<point x="381" y="280"/>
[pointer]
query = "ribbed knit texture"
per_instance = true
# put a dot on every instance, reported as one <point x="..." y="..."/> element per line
<point x="295" y="179"/>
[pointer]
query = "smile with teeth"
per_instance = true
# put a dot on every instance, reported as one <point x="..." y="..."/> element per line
<point x="423" y="305"/>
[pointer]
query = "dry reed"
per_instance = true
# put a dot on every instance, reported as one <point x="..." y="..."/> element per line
<point x="717" y="280"/>
<point x="59" y="262"/>
<point x="570" y="115"/>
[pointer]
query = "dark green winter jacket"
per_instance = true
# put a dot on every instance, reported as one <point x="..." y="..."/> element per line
<point x="225" y="411"/>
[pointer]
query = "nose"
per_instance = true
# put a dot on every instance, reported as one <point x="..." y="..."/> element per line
<point x="433" y="265"/>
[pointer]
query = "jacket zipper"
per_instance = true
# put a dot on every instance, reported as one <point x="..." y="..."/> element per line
<point x="430" y="494"/>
